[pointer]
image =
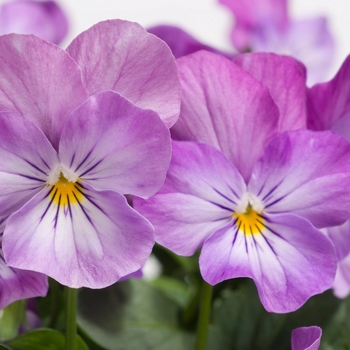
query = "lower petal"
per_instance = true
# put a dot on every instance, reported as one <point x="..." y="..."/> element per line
<point x="90" y="243"/>
<point x="283" y="260"/>
<point x="306" y="338"/>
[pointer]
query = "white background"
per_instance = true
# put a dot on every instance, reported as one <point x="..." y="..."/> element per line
<point x="204" y="19"/>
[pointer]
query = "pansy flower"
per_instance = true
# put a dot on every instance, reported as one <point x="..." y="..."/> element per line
<point x="80" y="129"/>
<point x="265" y="26"/>
<point x="45" y="19"/>
<point x="252" y="198"/>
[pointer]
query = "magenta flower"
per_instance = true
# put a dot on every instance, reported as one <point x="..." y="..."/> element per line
<point x="251" y="198"/>
<point x="266" y="26"/>
<point x="306" y="338"/>
<point x="62" y="185"/>
<point x="43" y="18"/>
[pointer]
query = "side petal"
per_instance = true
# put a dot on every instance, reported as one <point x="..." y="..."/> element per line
<point x="114" y="145"/>
<point x="306" y="338"/>
<point x="45" y="19"/>
<point x="328" y="102"/>
<point x="200" y="194"/>
<point x="39" y="81"/>
<point x="18" y="284"/>
<point x="27" y="158"/>
<point x="283" y="260"/>
<point x="91" y="242"/>
<point x="121" y="56"/>
<point x="307" y="173"/>
<point x="340" y="236"/>
<point x="226" y="108"/>
<point x="286" y="79"/>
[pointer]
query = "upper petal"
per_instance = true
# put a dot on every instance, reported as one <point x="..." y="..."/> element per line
<point x="225" y="107"/>
<point x="328" y="102"/>
<point x="286" y="79"/>
<point x="283" y="259"/>
<point x="114" y="145"/>
<point x="307" y="173"/>
<point x="39" y="81"/>
<point x="180" y="42"/>
<point x="121" y="56"/>
<point x="42" y="18"/>
<point x="306" y="338"/>
<point x="92" y="242"/>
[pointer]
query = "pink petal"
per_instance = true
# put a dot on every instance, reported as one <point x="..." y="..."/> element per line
<point x="306" y="338"/>
<point x="121" y="56"/>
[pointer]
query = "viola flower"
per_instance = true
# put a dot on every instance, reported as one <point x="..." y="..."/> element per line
<point x="266" y="26"/>
<point x="45" y="19"/>
<point x="306" y="338"/>
<point x="251" y="198"/>
<point x="82" y="149"/>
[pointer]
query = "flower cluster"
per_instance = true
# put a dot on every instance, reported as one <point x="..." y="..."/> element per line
<point x="113" y="144"/>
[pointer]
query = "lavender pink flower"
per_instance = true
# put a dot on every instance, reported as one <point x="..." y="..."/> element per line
<point x="251" y="195"/>
<point x="80" y="129"/>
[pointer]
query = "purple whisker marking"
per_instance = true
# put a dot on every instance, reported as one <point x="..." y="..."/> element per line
<point x="246" y="242"/>
<point x="83" y="210"/>
<point x="96" y="205"/>
<point x="258" y="228"/>
<point x="58" y="210"/>
<point x="216" y="220"/>
<point x="271" y="191"/>
<point x="79" y="184"/>
<point x="35" y="167"/>
<point x="91" y="168"/>
<point x="72" y="160"/>
<point x="232" y="190"/>
<point x="52" y="199"/>
<point x="269" y="244"/>
<point x="48" y="193"/>
<point x="260" y="222"/>
<point x="275" y="233"/>
<point x="222" y="195"/>
<point x="30" y="177"/>
<point x="47" y="166"/>
<point x="261" y="188"/>
<point x="235" y="237"/>
<point x="79" y="190"/>
<point x="220" y="206"/>
<point x="85" y="159"/>
<point x="274" y="202"/>
<point x="69" y="208"/>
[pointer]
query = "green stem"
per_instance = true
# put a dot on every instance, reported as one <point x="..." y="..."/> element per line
<point x="71" y="318"/>
<point x="204" y="316"/>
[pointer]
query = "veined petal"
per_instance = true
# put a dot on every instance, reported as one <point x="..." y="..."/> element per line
<point x="307" y="173"/>
<point x="286" y="79"/>
<point x="306" y="338"/>
<point x="330" y="101"/>
<point x="27" y="157"/>
<point x="121" y="56"/>
<point x="90" y="241"/>
<point x="113" y="145"/>
<point x="42" y="18"/>
<point x="39" y="81"/>
<point x="225" y="107"/>
<point x="200" y="194"/>
<point x="18" y="284"/>
<point x="283" y="260"/>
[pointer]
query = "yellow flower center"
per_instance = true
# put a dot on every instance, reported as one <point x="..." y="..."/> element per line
<point x="250" y="222"/>
<point x="64" y="192"/>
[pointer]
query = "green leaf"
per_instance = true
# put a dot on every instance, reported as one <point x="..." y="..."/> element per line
<point x="132" y="315"/>
<point x="43" y="339"/>
<point x="241" y="322"/>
